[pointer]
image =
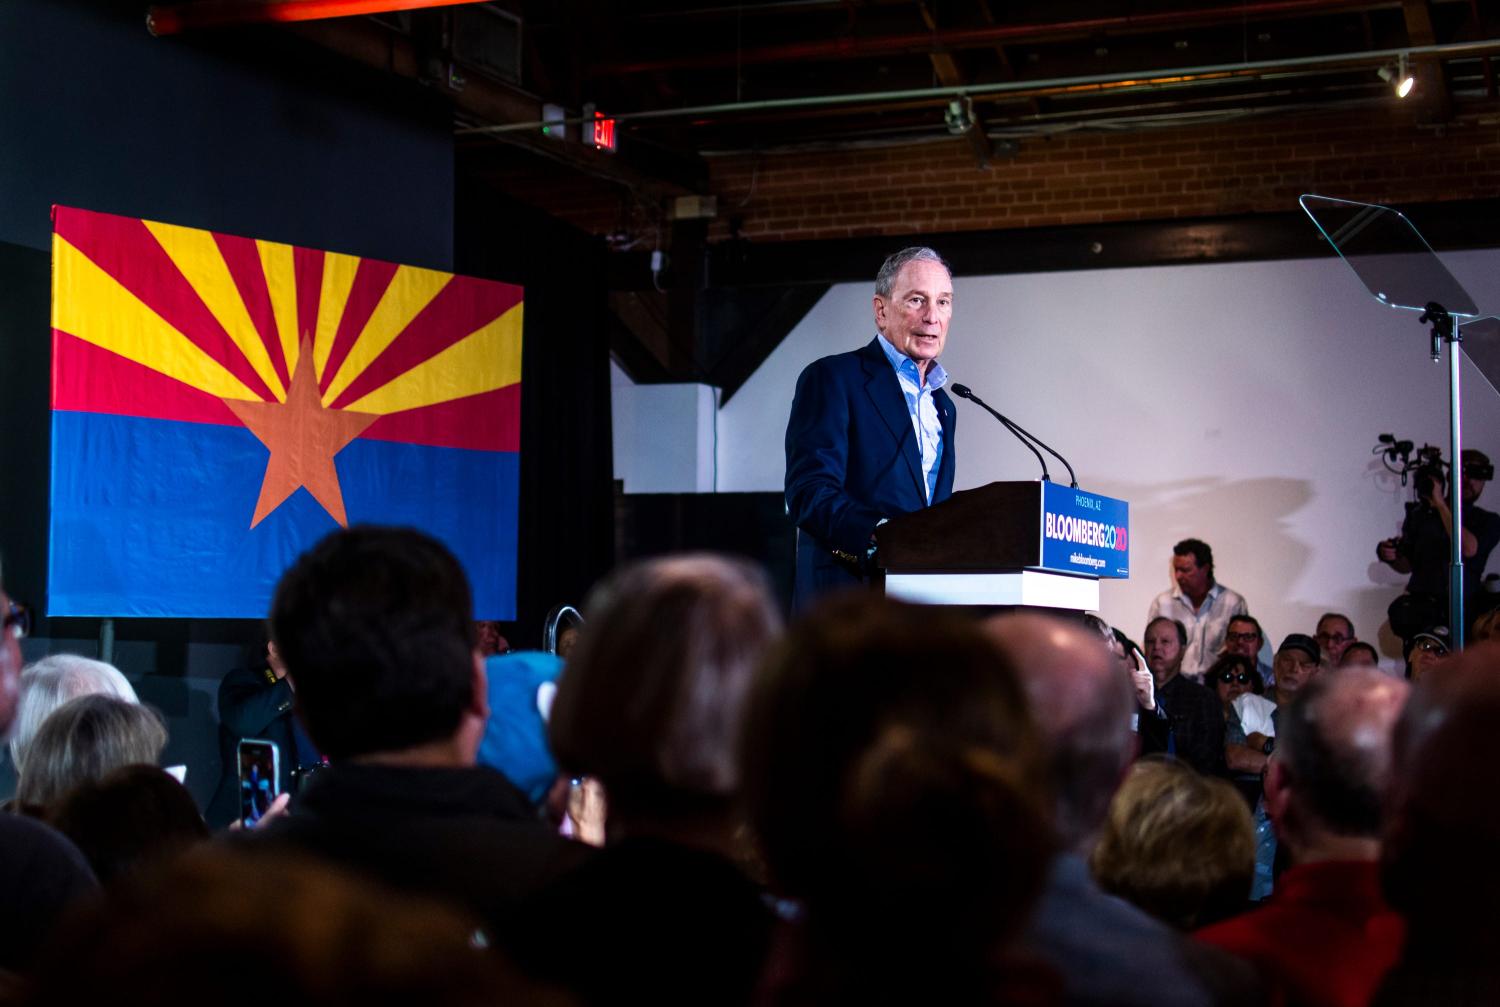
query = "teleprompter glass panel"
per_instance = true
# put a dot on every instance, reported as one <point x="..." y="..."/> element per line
<point x="1481" y="344"/>
<point x="1389" y="255"/>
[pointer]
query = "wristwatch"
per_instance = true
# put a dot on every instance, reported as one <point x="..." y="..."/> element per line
<point x="1269" y="746"/>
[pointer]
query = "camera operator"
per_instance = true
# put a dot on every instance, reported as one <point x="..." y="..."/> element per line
<point x="1423" y="547"/>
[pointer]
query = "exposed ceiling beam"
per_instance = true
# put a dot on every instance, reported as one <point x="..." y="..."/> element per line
<point x="172" y="19"/>
<point x="655" y="173"/>
<point x="947" y="70"/>
<point x="1140" y="80"/>
<point x="1432" y="87"/>
<point x="984" y="36"/>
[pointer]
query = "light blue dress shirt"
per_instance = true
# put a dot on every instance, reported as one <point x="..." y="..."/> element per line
<point x="923" y="410"/>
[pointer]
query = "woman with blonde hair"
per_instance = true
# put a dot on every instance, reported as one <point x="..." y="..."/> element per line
<point x="84" y="740"/>
<point x="1177" y="844"/>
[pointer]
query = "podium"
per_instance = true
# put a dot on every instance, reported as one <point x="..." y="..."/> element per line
<point x="1033" y="544"/>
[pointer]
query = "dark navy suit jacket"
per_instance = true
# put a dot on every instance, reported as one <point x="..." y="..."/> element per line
<point x="851" y="459"/>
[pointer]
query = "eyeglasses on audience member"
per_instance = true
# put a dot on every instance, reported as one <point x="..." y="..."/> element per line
<point x="1234" y="637"/>
<point x="1232" y="676"/>
<point x="17" y="621"/>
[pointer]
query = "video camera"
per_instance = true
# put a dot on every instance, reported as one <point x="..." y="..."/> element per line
<point x="1424" y="467"/>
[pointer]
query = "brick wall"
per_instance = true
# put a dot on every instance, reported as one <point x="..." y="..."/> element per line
<point x="1254" y="166"/>
<point x="1251" y="167"/>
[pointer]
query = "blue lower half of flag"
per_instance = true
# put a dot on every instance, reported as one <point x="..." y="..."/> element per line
<point x="151" y="518"/>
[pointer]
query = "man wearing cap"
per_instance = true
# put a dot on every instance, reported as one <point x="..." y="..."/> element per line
<point x="1298" y="660"/>
<point x="1424" y="550"/>
<point x="1424" y="650"/>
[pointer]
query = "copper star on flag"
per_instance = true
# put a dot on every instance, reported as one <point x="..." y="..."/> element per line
<point x="303" y="437"/>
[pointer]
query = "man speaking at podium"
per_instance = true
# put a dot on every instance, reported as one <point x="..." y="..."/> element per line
<point x="871" y="431"/>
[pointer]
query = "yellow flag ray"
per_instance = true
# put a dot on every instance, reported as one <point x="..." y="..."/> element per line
<point x="486" y="359"/>
<point x="411" y="289"/>
<point x="281" y="283"/>
<point x="338" y="280"/>
<point x="197" y="257"/>
<point x="89" y="303"/>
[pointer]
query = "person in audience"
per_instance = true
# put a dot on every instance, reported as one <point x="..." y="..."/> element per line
<point x="1298" y="661"/>
<point x="1107" y="951"/>
<point x="1232" y="676"/>
<point x="255" y="701"/>
<point x="522" y="684"/>
<point x="1327" y="936"/>
<point x="1359" y="654"/>
<point x="41" y="872"/>
<point x="561" y="629"/>
<point x="51" y="682"/>
<point x="492" y="642"/>
<point x="1425" y="651"/>
<point x="1177" y="844"/>
<point x="1245" y="637"/>
<point x="650" y="706"/>
<point x="1438" y="866"/>
<point x="129" y="818"/>
<point x="1200" y="603"/>
<point x="896" y="783"/>
<point x="1335" y="632"/>
<point x="1149" y="721"/>
<point x="231" y="928"/>
<point x="1486" y="627"/>
<point x="82" y="741"/>
<point x="376" y="628"/>
<point x="1197" y="726"/>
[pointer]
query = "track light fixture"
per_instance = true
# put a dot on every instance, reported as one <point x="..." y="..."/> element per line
<point x="959" y="115"/>
<point x="1398" y="75"/>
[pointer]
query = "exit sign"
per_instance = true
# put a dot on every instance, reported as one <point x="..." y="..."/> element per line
<point x="604" y="132"/>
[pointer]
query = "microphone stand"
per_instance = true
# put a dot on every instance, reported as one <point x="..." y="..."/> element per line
<point x="1025" y="437"/>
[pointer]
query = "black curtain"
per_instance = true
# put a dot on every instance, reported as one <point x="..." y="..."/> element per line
<point x="566" y="513"/>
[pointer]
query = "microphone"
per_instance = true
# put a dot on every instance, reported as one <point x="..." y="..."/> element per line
<point x="1024" y="436"/>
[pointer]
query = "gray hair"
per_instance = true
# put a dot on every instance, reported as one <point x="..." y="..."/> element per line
<point x="892" y="266"/>
<point x="49" y="683"/>
<point x="652" y="695"/>
<point x="85" y="739"/>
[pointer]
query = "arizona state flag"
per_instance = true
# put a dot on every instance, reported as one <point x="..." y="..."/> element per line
<point x="221" y="403"/>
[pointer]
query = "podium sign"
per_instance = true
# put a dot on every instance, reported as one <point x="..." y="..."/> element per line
<point x="1084" y="532"/>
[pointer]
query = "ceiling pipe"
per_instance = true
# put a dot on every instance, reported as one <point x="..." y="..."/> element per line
<point x="173" y="19"/>
<point x="988" y="35"/>
<point x="1025" y="88"/>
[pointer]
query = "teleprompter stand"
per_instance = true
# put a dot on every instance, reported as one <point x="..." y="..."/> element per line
<point x="1401" y="271"/>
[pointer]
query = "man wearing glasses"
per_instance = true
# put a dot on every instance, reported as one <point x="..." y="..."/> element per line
<point x="1335" y="633"/>
<point x="1245" y="638"/>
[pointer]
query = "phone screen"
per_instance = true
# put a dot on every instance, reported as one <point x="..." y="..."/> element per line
<point x="260" y="765"/>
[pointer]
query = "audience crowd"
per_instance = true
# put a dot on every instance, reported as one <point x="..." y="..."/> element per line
<point x="684" y="801"/>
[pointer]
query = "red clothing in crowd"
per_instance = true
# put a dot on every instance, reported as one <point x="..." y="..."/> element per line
<point x="1326" y="937"/>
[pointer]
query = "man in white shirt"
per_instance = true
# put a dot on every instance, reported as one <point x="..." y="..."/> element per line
<point x="1200" y="603"/>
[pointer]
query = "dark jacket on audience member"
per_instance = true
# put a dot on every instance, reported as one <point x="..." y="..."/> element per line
<point x="1110" y="953"/>
<point x="647" y="921"/>
<point x="1197" y="719"/>
<point x="252" y="704"/>
<point x="41" y="875"/>
<point x="465" y="836"/>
